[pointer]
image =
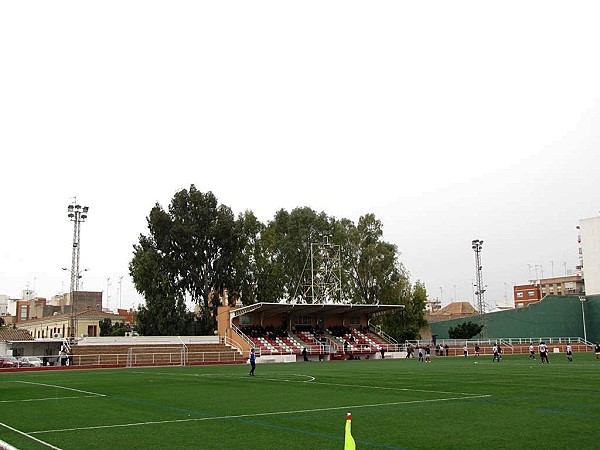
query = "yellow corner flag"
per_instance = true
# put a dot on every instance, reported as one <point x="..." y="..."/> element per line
<point x="349" y="440"/>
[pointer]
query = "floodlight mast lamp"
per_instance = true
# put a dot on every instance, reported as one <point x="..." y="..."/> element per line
<point x="77" y="214"/>
<point x="477" y="246"/>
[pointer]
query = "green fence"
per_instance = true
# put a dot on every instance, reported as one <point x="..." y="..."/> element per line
<point x="553" y="316"/>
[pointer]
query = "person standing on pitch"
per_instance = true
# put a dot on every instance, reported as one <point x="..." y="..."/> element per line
<point x="569" y="353"/>
<point x="543" y="352"/>
<point x="496" y="351"/>
<point x="304" y="354"/>
<point x="531" y="352"/>
<point x="252" y="362"/>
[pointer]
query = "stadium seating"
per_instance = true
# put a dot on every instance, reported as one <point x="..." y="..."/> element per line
<point x="165" y="354"/>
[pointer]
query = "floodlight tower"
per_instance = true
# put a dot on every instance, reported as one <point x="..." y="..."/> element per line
<point x="77" y="214"/>
<point x="477" y="245"/>
<point x="321" y="280"/>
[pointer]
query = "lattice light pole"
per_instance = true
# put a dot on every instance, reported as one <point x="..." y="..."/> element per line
<point x="322" y="274"/>
<point x="477" y="245"/>
<point x="77" y="214"/>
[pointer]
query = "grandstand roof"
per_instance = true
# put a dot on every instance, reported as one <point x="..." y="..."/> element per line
<point x="325" y="309"/>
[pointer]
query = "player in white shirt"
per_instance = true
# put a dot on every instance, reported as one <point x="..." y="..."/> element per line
<point x="569" y="353"/>
<point x="531" y="352"/>
<point x="543" y="352"/>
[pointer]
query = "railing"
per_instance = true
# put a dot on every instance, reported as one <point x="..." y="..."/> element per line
<point x="215" y="357"/>
<point x="506" y="341"/>
<point x="230" y="342"/>
<point x="245" y="338"/>
<point x="377" y="330"/>
<point x="509" y="345"/>
<point x="98" y="359"/>
<point x="549" y="340"/>
<point x="155" y="356"/>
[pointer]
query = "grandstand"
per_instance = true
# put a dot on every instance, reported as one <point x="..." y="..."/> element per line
<point x="326" y="331"/>
<point x="157" y="350"/>
<point x="278" y="332"/>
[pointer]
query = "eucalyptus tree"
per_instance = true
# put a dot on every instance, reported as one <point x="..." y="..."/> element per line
<point x="188" y="254"/>
<point x="249" y="266"/>
<point x="372" y="264"/>
<point x="286" y="245"/>
<point x="406" y="324"/>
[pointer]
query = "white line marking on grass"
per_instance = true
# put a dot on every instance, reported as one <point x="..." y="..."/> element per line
<point x="46" y="398"/>
<point x="29" y="436"/>
<point x="6" y="446"/>
<point x="309" y="378"/>
<point x="396" y="389"/>
<point x="62" y="387"/>
<point x="243" y="416"/>
<point x="312" y="381"/>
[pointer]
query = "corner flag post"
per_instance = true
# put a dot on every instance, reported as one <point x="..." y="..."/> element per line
<point x="349" y="440"/>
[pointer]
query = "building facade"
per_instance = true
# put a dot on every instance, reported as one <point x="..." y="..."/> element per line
<point x="57" y="326"/>
<point x="566" y="285"/>
<point x="526" y="294"/>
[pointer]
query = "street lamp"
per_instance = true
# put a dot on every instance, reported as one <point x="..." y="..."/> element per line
<point x="582" y="300"/>
<point x="77" y="214"/>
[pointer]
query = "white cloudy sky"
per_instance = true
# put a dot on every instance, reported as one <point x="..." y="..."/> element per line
<point x="451" y="121"/>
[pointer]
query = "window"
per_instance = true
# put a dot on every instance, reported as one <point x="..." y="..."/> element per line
<point x="531" y="293"/>
<point x="23" y="312"/>
<point x="519" y="295"/>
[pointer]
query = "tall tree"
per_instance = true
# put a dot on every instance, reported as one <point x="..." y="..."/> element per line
<point x="196" y="250"/>
<point x="287" y="240"/>
<point x="405" y="325"/>
<point x="164" y="312"/>
<point x="189" y="254"/>
<point x="372" y="264"/>
<point x="249" y="266"/>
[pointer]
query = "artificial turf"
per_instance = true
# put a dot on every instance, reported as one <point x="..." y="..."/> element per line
<point x="449" y="403"/>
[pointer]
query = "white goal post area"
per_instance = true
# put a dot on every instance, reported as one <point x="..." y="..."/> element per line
<point x="155" y="356"/>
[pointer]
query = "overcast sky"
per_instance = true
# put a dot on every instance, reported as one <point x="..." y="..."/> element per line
<point x="450" y="121"/>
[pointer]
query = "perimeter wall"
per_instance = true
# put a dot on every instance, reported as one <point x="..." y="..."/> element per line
<point x="554" y="316"/>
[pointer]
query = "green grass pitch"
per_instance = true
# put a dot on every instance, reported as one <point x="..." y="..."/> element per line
<point x="449" y="403"/>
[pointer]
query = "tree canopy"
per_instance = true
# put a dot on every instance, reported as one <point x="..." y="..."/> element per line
<point x="465" y="330"/>
<point x="196" y="250"/>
